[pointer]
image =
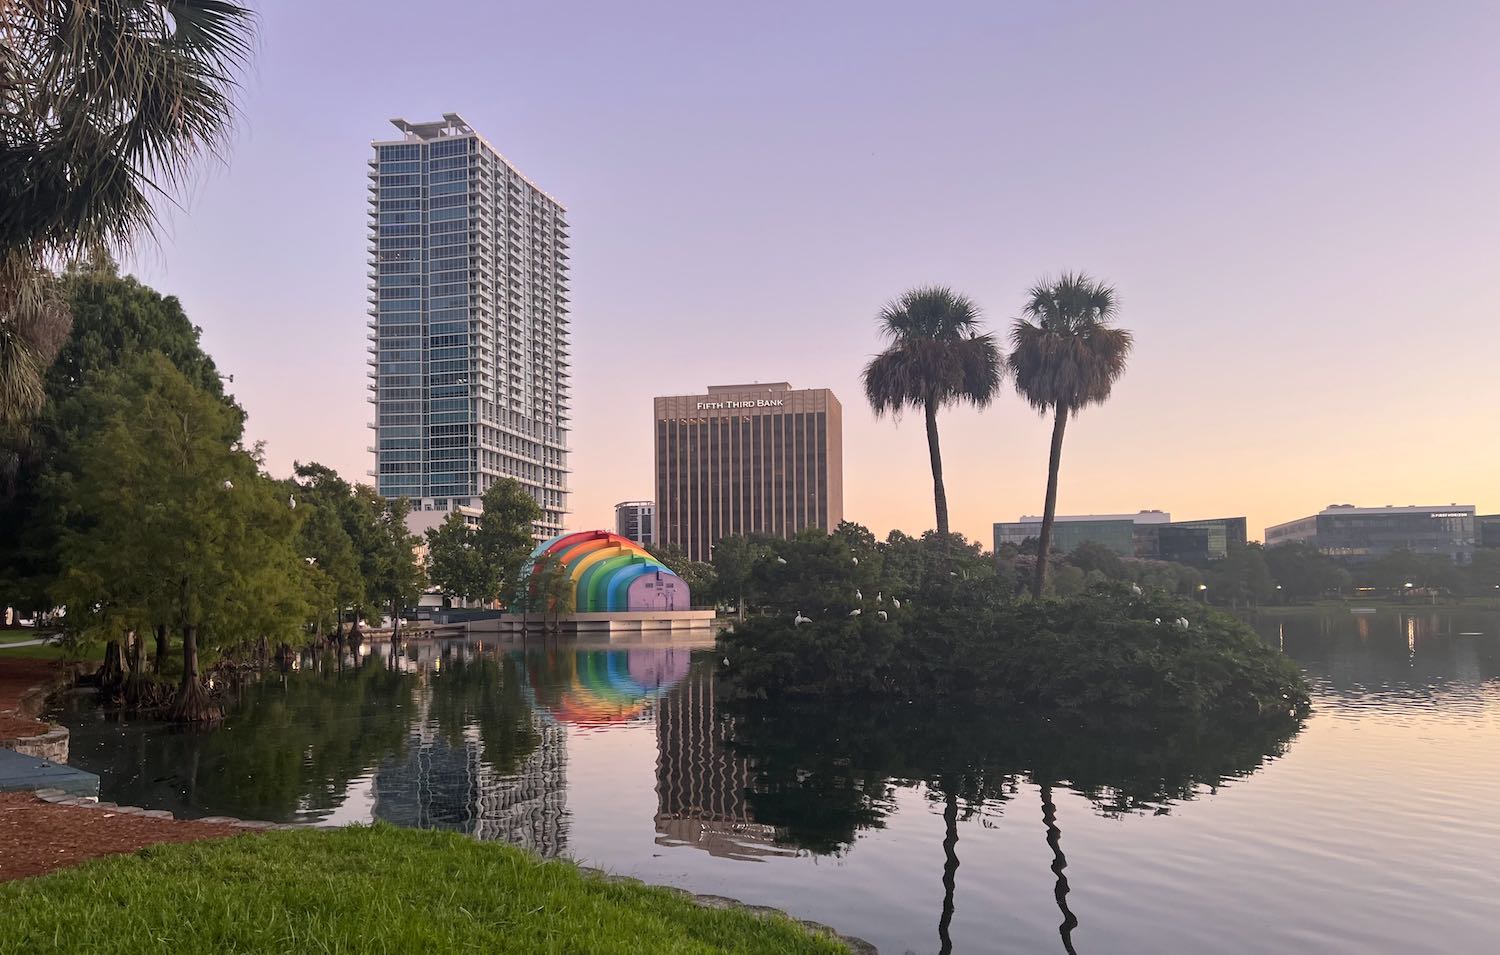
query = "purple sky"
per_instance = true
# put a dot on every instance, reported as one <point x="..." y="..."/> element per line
<point x="1299" y="205"/>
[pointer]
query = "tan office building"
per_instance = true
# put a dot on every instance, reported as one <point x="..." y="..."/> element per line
<point x="745" y="459"/>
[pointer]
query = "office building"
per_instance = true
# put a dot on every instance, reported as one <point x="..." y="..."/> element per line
<point x="1198" y="542"/>
<point x="468" y="324"/>
<point x="1357" y="533"/>
<point x="1487" y="530"/>
<point x="747" y="459"/>
<point x="1147" y="535"/>
<point x="1129" y="535"/>
<point x="636" y="520"/>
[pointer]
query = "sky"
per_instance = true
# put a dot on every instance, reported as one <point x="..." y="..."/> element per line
<point x="1297" y="204"/>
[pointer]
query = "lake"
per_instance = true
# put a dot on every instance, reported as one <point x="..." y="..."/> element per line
<point x="1372" y="827"/>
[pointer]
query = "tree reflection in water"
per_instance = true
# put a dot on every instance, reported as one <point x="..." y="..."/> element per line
<point x="823" y="772"/>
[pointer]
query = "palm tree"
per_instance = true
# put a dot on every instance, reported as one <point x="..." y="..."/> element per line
<point x="105" y="108"/>
<point x="1067" y="356"/>
<point x="936" y="357"/>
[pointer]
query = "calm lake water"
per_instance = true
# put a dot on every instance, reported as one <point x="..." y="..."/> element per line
<point x="1374" y="827"/>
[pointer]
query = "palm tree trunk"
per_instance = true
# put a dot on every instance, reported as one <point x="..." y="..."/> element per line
<point x="950" y="870"/>
<point x="1059" y="863"/>
<point x="939" y="495"/>
<point x="1049" y="508"/>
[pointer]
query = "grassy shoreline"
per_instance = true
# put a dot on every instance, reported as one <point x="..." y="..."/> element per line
<point x="374" y="889"/>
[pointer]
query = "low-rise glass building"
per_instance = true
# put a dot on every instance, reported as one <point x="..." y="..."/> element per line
<point x="1363" y="533"/>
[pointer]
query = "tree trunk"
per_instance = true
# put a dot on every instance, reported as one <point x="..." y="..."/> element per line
<point x="112" y="672"/>
<point x="939" y="494"/>
<point x="395" y="620"/>
<point x="159" y="662"/>
<point x="1049" y="507"/>
<point x="950" y="870"/>
<point x="1059" y="863"/>
<point x="193" y="703"/>
<point x="135" y="679"/>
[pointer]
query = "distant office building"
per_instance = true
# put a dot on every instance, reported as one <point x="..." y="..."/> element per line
<point x="1343" y="530"/>
<point x="636" y="520"/>
<point x="1487" y="530"/>
<point x="468" y="324"/>
<point x="747" y="459"/>
<point x="1128" y="535"/>
<point x="1148" y="535"/>
<point x="1198" y="542"/>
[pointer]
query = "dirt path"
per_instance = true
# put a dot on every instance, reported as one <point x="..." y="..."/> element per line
<point x="38" y="837"/>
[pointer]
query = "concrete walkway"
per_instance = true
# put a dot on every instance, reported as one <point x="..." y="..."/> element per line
<point x="24" y="643"/>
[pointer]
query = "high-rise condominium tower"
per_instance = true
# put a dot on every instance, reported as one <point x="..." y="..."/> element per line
<point x="468" y="324"/>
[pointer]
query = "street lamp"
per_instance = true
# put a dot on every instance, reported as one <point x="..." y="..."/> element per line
<point x="1203" y="589"/>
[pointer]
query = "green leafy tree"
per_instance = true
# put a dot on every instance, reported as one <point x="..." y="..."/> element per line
<point x="1067" y="355"/>
<point x="1303" y="572"/>
<point x="395" y="579"/>
<point x="483" y="562"/>
<point x="173" y="517"/>
<point x="1241" y="578"/>
<point x="108" y="107"/>
<point x="504" y="536"/>
<point x="454" y="564"/>
<point x="936" y="357"/>
<point x="734" y="560"/>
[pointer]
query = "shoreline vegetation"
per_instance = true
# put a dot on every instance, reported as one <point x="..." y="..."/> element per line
<point x="842" y="616"/>
<point x="371" y="888"/>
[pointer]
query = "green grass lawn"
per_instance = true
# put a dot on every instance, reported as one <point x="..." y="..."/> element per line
<point x="377" y="890"/>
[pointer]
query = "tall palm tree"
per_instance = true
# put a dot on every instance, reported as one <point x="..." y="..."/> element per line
<point x="936" y="356"/>
<point x="1067" y="356"/>
<point x="105" y="108"/>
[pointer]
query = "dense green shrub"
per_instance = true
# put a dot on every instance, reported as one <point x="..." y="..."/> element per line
<point x="1107" y="650"/>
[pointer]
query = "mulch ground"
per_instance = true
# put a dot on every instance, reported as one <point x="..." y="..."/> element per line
<point x="38" y="837"/>
<point x="16" y="677"/>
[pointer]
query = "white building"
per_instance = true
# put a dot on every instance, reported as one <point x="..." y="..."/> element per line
<point x="636" y="520"/>
<point x="468" y="324"/>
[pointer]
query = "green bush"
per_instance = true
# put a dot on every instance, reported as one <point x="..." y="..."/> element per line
<point x="1105" y="651"/>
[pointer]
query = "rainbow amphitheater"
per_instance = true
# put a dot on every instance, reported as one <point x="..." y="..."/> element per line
<point x="617" y="588"/>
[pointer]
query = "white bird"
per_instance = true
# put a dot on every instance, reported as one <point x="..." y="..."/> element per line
<point x="1135" y="589"/>
<point x="1158" y="621"/>
<point x="952" y="573"/>
<point x="228" y="485"/>
<point x="310" y="560"/>
<point x="855" y="612"/>
<point x="858" y="595"/>
<point x="895" y="603"/>
<point x="882" y="615"/>
<point x="799" y="620"/>
<point x="726" y="661"/>
<point x="1182" y="623"/>
<point x="856" y="561"/>
<point x="781" y="560"/>
<point x="291" y="502"/>
<point x="878" y="598"/>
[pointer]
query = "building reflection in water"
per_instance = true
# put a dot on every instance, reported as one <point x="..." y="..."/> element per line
<point x="448" y="777"/>
<point x="700" y="783"/>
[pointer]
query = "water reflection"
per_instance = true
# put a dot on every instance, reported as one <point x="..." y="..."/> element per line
<point x="629" y="759"/>
<point x="821" y="773"/>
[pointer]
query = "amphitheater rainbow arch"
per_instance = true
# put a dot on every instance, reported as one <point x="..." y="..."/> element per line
<point x="611" y="573"/>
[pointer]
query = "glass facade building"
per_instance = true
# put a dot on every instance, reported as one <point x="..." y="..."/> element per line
<point x="1129" y="535"/>
<point x="1357" y="533"/>
<point x="747" y="459"/>
<point x="1198" y="542"/>
<point x="468" y="323"/>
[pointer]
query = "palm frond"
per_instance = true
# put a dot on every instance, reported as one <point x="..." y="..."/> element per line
<point x="1064" y="351"/>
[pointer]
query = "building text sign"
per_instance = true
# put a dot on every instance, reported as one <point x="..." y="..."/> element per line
<point x="751" y="403"/>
